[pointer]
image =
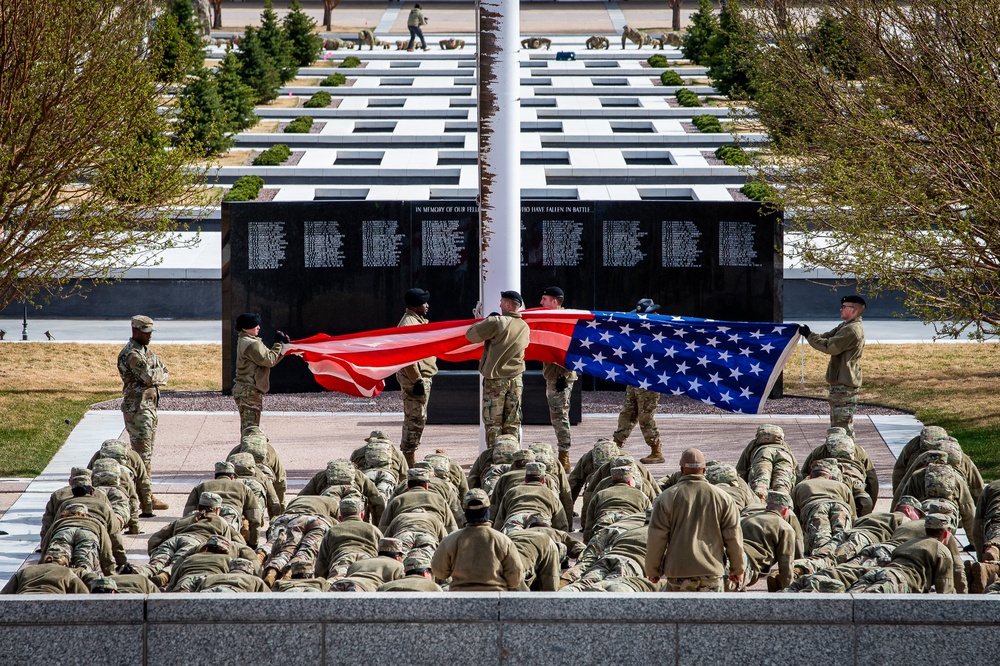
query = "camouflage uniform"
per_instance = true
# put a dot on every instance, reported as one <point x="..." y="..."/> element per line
<point x="142" y="374"/>
<point x="80" y="537"/>
<point x="124" y="506"/>
<point x="698" y="584"/>
<point x="773" y="468"/>
<point x="640" y="406"/>
<point x="415" y="406"/>
<point x="253" y="370"/>
<point x="559" y="400"/>
<point x="167" y="554"/>
<point x="845" y="344"/>
<point x="504" y="338"/>
<point x="297" y="538"/>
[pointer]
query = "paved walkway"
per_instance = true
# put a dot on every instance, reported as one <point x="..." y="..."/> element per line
<point x="188" y="443"/>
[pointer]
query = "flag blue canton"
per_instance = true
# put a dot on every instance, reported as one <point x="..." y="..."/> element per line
<point x="730" y="365"/>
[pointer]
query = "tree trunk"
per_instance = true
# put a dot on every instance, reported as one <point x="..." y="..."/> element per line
<point x="675" y="6"/>
<point x="217" y="16"/>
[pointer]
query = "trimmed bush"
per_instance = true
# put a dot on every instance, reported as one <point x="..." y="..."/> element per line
<point x="687" y="98"/>
<point x="707" y="124"/>
<point x="732" y="155"/>
<point x="318" y="100"/>
<point x="657" y="60"/>
<point x="351" y="61"/>
<point x="335" y="79"/>
<point x="671" y="78"/>
<point x="246" y="188"/>
<point x="300" y="125"/>
<point x="757" y="191"/>
<point x="273" y="156"/>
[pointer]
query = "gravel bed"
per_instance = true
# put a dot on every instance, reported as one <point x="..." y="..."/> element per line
<point x="267" y="193"/>
<point x="316" y="128"/>
<point x="710" y="157"/>
<point x="737" y="195"/>
<point x="594" y="402"/>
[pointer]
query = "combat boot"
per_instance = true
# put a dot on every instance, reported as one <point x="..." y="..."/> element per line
<point x="773" y="582"/>
<point x="269" y="576"/>
<point x="980" y="574"/>
<point x="261" y="556"/>
<point x="991" y="554"/>
<point x="161" y="579"/>
<point x="655" y="455"/>
<point x="158" y="504"/>
<point x="409" y="458"/>
<point x="564" y="460"/>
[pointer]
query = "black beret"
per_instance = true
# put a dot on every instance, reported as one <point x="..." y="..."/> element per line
<point x="416" y="297"/>
<point x="512" y="296"/>
<point x="247" y="320"/>
<point x="555" y="292"/>
<point x="646" y="305"/>
<point x="854" y="298"/>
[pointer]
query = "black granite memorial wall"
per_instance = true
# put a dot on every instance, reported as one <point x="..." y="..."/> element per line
<point x="342" y="267"/>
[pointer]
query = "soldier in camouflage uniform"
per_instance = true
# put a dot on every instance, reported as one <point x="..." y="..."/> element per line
<point x="142" y="373"/>
<point x="915" y="565"/>
<point x="369" y="574"/>
<point x="504" y="336"/>
<point x="52" y="576"/>
<point x="845" y="344"/>
<point x="527" y="499"/>
<point x="255" y="442"/>
<point x="378" y="470"/>
<point x="415" y="380"/>
<point x="771" y="465"/>
<point x="640" y="406"/>
<point x="503" y="462"/>
<point x="258" y="482"/>
<point x="942" y="481"/>
<point x="558" y="385"/>
<point x="348" y="541"/>
<point x="418" y="578"/>
<point x="825" y="505"/>
<point x="107" y="476"/>
<point x="490" y="457"/>
<point x="171" y="544"/>
<point x="296" y="534"/>
<point x="213" y="558"/>
<point x="133" y="469"/>
<point x="612" y="504"/>
<point x="253" y="368"/>
<point x="240" y="578"/>
<point x="239" y="504"/>
<point x="301" y="580"/>
<point x="623" y="556"/>
<point x="84" y="536"/>
<point x="417" y="526"/>
<point x="861" y="458"/>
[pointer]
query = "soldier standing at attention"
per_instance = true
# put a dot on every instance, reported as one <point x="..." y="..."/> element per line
<point x="558" y="385"/>
<point x="693" y="529"/>
<point x="640" y="406"/>
<point x="415" y="380"/>
<point x="845" y="344"/>
<point x="142" y="373"/>
<point x="504" y="336"/>
<point x="253" y="368"/>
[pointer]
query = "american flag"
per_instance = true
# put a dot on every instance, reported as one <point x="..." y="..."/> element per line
<point x="731" y="365"/>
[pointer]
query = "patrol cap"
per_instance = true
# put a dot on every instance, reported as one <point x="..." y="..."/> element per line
<point x="721" y="473"/>
<point x="351" y="506"/>
<point x="476" y="499"/>
<point x="693" y="459"/>
<point x="242" y="462"/>
<point x="442" y="468"/>
<point x="937" y="521"/>
<point x="379" y="435"/>
<point x="210" y="500"/>
<point x="80" y="480"/>
<point x="105" y="465"/>
<point x="255" y="445"/>
<point x="416" y="297"/>
<point x="937" y="505"/>
<point x="604" y="450"/>
<point x="103" y="585"/>
<point x="504" y="448"/>
<point x="436" y="457"/>
<point x="769" y="434"/>
<point x="114" y="448"/>
<point x="241" y="564"/>
<point x="555" y="292"/>
<point x="622" y="459"/>
<point x="931" y="433"/>
<point x="247" y="320"/>
<point x="416" y="560"/>
<point x="219" y="542"/>
<point x="75" y="507"/>
<point x="106" y="478"/>
<point x="934" y="458"/>
<point x="534" y="469"/>
<point x="910" y="501"/>
<point x="541" y="450"/>
<point x="853" y="299"/>
<point x="779" y="498"/>
<point x="424" y="540"/>
<point x="339" y="472"/>
<point x="827" y="466"/>
<point x="623" y="473"/>
<point x="512" y="295"/>
<point x="421" y="474"/>
<point x="142" y="323"/>
<point x="646" y="306"/>
<point x="223" y="467"/>
<point x="526" y="455"/>
<point x="840" y="447"/>
<point x="390" y="545"/>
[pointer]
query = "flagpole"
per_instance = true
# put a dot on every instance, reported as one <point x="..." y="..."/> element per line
<point x="802" y="340"/>
<point x="498" y="85"/>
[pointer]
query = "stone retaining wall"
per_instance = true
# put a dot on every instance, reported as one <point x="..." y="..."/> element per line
<point x="486" y="629"/>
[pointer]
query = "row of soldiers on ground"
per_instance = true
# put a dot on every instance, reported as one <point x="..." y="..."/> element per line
<point x="375" y="523"/>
